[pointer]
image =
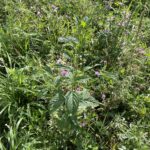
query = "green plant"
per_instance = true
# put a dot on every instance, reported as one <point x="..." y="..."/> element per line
<point x="74" y="74"/>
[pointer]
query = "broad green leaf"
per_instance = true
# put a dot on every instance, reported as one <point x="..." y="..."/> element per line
<point x="56" y="102"/>
<point x="72" y="102"/>
<point x="87" y="100"/>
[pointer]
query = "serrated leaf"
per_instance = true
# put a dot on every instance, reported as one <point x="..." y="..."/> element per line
<point x="72" y="102"/>
<point x="87" y="100"/>
<point x="56" y="102"/>
<point x="57" y="80"/>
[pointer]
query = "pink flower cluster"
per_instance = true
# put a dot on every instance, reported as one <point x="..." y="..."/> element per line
<point x="64" y="72"/>
<point x="97" y="73"/>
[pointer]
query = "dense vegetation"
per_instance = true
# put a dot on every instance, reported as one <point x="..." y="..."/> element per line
<point x="74" y="75"/>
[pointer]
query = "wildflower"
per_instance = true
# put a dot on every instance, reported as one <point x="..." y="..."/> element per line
<point x="106" y="31"/>
<point x="55" y="8"/>
<point x="121" y="4"/>
<point x="78" y="89"/>
<point x="97" y="73"/>
<point x="122" y="24"/>
<point x="59" y="61"/>
<point x="127" y="16"/>
<point x="39" y="13"/>
<point x="86" y="18"/>
<point x="141" y="51"/>
<point x="83" y="124"/>
<point x="64" y="72"/>
<point x="103" y="96"/>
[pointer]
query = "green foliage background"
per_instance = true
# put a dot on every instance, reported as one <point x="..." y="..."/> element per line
<point x="74" y="74"/>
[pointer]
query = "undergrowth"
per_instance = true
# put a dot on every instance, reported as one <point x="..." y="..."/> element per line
<point x="74" y="75"/>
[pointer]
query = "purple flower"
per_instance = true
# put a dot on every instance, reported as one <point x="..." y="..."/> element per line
<point x="78" y="89"/>
<point x="106" y="31"/>
<point x="55" y="8"/>
<point x="97" y="73"/>
<point x="64" y="72"/>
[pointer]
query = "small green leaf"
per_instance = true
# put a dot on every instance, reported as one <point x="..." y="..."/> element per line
<point x="83" y="24"/>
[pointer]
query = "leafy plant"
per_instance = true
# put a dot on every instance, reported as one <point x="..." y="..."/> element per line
<point x="74" y="74"/>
